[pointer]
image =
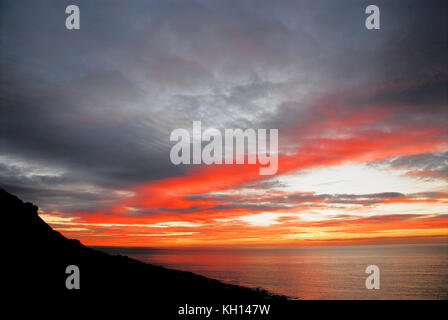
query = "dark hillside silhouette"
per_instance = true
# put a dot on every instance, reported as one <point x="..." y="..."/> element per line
<point x="41" y="256"/>
<point x="122" y="287"/>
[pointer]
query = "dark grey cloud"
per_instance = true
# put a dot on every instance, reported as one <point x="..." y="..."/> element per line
<point x="424" y="165"/>
<point x="297" y="201"/>
<point x="430" y="161"/>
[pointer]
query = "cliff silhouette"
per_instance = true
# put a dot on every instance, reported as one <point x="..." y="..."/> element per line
<point x="118" y="286"/>
<point x="41" y="255"/>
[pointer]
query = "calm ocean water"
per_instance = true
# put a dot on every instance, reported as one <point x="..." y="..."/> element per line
<point x="406" y="271"/>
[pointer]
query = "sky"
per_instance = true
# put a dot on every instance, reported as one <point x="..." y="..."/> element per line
<point x="362" y="119"/>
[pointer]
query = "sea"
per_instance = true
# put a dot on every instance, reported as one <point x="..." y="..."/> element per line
<point x="333" y="272"/>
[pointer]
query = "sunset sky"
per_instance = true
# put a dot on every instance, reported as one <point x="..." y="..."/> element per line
<point x="362" y="116"/>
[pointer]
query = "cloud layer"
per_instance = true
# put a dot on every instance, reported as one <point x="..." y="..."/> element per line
<point x="85" y="115"/>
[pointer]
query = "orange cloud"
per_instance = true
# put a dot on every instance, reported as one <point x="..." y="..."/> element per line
<point x="181" y="210"/>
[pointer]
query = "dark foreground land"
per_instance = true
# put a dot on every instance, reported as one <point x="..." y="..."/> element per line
<point x="37" y="257"/>
<point x="41" y="256"/>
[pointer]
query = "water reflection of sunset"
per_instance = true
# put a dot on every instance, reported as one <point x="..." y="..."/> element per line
<point x="337" y="272"/>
